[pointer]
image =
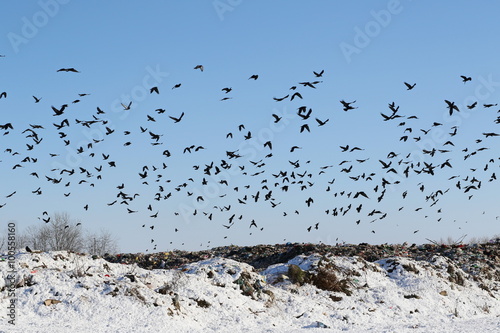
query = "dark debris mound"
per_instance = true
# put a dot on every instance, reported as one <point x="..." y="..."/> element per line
<point x="475" y="259"/>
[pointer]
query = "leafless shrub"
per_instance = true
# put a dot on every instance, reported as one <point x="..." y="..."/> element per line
<point x="178" y="281"/>
<point x="79" y="269"/>
<point x="134" y="292"/>
<point x="202" y="303"/>
<point x="326" y="279"/>
<point x="485" y="308"/>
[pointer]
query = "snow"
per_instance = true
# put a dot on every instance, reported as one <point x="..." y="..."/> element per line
<point x="222" y="295"/>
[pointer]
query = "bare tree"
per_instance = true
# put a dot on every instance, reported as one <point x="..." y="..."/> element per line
<point x="100" y="244"/>
<point x="61" y="233"/>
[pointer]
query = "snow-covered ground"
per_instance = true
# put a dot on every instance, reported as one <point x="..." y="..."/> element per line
<point x="223" y="295"/>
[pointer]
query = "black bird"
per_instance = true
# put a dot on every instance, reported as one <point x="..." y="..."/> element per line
<point x="320" y="74"/>
<point x="154" y="89"/>
<point x="37" y="99"/>
<point x="303" y="114"/>
<point x="451" y="106"/>
<point x="6" y="126"/>
<point x="58" y="112"/>
<point x="321" y="123"/>
<point x="28" y="249"/>
<point x="280" y="99"/>
<point x="176" y="86"/>
<point x="472" y="106"/>
<point x="276" y="118"/>
<point x="347" y="105"/>
<point x="176" y="120"/>
<point x="68" y="70"/>
<point x="297" y="94"/>
<point x="255" y="77"/>
<point x="200" y="67"/>
<point x="465" y="78"/>
<point x="126" y="107"/>
<point x="410" y="86"/>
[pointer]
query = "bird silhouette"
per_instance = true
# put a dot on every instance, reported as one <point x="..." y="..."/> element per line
<point x="321" y="122"/>
<point x="60" y="111"/>
<point x="176" y="120"/>
<point x="465" y="78"/>
<point x="320" y="74"/>
<point x="451" y="106"/>
<point x="409" y="86"/>
<point x="347" y="105"/>
<point x="280" y="98"/>
<point x="126" y="107"/>
<point x="68" y="70"/>
<point x="297" y="94"/>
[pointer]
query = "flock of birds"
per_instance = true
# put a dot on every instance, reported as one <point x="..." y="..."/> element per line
<point x="268" y="187"/>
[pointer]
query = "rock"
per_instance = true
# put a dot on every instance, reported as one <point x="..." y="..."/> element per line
<point x="131" y="277"/>
<point x="321" y="325"/>
<point x="49" y="301"/>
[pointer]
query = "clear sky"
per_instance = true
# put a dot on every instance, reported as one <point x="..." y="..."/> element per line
<point x="367" y="51"/>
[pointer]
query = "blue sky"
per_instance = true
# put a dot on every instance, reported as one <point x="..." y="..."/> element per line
<point x="367" y="52"/>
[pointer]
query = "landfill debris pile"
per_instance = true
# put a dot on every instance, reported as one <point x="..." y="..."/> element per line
<point x="480" y="260"/>
<point x="63" y="291"/>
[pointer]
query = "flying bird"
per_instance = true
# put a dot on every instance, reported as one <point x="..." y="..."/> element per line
<point x="321" y="122"/>
<point x="280" y="98"/>
<point x="276" y="118"/>
<point x="465" y="78"/>
<point x="58" y="112"/>
<point x="297" y="94"/>
<point x="451" y="106"/>
<point x="68" y="70"/>
<point x="409" y="86"/>
<point x="126" y="107"/>
<point x="176" y="120"/>
<point x="347" y="105"/>
<point x="320" y="74"/>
